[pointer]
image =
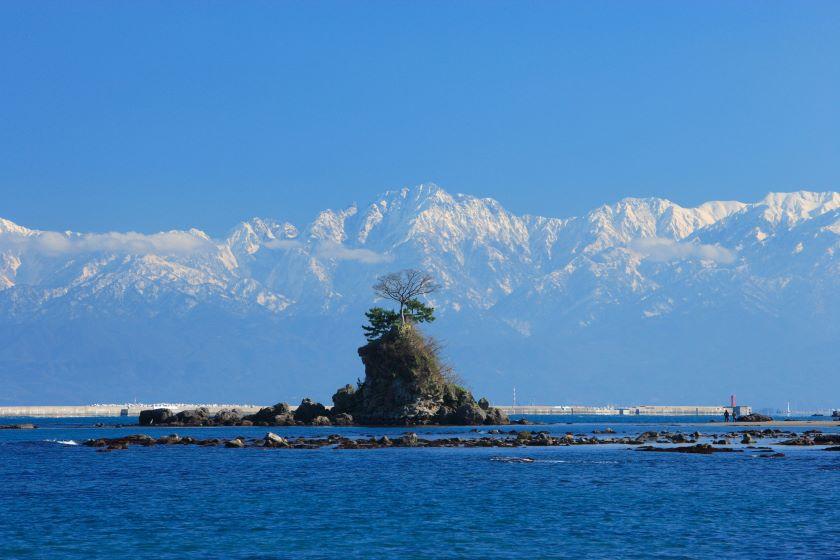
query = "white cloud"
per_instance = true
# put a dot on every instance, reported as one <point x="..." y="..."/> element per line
<point x="54" y="243"/>
<point x="662" y="249"/>
<point x="339" y="252"/>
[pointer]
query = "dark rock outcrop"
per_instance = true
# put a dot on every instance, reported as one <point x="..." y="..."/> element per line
<point x="754" y="417"/>
<point x="700" y="448"/>
<point x="308" y="411"/>
<point x="228" y="417"/>
<point x="155" y="416"/>
<point x="404" y="385"/>
<point x="344" y="400"/>
<point x="321" y="421"/>
<point x="269" y="414"/>
<point x="342" y="419"/>
<point x="18" y="427"/>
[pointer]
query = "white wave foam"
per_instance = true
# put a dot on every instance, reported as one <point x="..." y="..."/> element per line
<point x="63" y="441"/>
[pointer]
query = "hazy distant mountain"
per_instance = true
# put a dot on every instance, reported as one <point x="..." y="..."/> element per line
<point x="638" y="301"/>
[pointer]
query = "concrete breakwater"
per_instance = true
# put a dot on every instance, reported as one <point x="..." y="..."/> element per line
<point x="112" y="410"/>
<point x="642" y="410"/>
<point x="134" y="410"/>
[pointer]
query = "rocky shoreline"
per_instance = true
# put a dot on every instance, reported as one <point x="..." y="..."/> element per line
<point x="405" y="385"/>
<point x="493" y="438"/>
<point x="310" y="413"/>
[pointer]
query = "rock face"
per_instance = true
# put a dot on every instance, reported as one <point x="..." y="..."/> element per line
<point x="198" y="417"/>
<point x="308" y="411"/>
<point x="280" y="414"/>
<point x="155" y="416"/>
<point x="404" y="385"/>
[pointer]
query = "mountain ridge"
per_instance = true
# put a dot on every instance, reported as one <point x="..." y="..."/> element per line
<point x="525" y="281"/>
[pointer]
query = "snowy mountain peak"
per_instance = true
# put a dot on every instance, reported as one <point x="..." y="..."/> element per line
<point x="790" y="208"/>
<point x="7" y="226"/>
<point x="248" y="237"/>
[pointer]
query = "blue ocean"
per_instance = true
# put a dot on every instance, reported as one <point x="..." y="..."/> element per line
<point x="62" y="500"/>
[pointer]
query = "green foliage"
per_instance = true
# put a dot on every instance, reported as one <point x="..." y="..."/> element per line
<point x="383" y="320"/>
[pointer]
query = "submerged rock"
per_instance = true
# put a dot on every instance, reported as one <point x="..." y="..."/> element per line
<point x="700" y="448"/>
<point x="801" y="440"/>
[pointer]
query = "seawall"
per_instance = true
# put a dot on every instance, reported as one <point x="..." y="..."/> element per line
<point x="108" y="410"/>
<point x="134" y="410"/>
<point x="641" y="410"/>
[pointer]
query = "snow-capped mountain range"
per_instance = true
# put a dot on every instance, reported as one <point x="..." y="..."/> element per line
<point x="641" y="300"/>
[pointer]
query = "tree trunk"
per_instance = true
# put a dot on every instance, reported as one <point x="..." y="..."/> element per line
<point x="402" y="314"/>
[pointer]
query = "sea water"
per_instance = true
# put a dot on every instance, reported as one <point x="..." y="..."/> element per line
<point x="62" y="500"/>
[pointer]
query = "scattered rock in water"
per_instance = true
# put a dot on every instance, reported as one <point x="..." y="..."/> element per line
<point x="747" y="439"/>
<point x="801" y="440"/>
<point x="700" y="448"/>
<point x="512" y="459"/>
<point x="771" y="455"/>
<point x="273" y="440"/>
<point x="499" y="438"/>
<point x="834" y="448"/>
<point x="19" y="427"/>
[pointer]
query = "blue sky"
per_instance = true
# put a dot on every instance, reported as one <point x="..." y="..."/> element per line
<point x="148" y="116"/>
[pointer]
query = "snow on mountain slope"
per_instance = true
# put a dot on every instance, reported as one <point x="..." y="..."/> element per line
<point x="624" y="272"/>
